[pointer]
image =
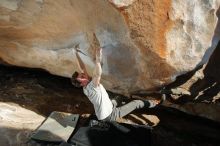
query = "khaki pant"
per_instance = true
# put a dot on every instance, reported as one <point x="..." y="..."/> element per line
<point x="119" y="112"/>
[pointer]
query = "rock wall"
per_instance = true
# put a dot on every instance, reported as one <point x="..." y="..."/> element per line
<point x="17" y="124"/>
<point x="146" y="44"/>
<point x="204" y="86"/>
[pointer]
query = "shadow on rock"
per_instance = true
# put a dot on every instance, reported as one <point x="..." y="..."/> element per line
<point x="203" y="83"/>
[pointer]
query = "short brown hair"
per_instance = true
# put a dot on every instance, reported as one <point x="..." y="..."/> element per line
<point x="74" y="81"/>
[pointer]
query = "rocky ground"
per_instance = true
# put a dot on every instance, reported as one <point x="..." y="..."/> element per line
<point x="28" y="96"/>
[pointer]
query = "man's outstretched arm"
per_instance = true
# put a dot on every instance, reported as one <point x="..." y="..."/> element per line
<point x="98" y="69"/>
<point x="80" y="63"/>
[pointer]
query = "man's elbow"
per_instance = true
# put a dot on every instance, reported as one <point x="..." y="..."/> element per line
<point x="98" y="74"/>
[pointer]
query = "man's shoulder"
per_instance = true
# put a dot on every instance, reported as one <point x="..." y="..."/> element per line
<point x="89" y="85"/>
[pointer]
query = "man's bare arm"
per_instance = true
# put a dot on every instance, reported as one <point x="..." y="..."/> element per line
<point x="80" y="63"/>
<point x="98" y="69"/>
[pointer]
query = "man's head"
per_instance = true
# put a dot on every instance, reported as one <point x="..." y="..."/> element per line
<point x="79" y="79"/>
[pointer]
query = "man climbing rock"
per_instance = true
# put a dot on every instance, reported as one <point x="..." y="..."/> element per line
<point x="105" y="109"/>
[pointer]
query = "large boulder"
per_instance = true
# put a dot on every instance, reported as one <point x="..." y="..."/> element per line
<point x="146" y="44"/>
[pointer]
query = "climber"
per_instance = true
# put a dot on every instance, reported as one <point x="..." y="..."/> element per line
<point x="105" y="109"/>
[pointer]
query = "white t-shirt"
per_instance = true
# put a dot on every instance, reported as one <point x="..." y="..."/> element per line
<point x="100" y="100"/>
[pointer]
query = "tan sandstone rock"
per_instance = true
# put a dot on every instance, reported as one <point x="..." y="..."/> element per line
<point x="146" y="44"/>
<point x="17" y="124"/>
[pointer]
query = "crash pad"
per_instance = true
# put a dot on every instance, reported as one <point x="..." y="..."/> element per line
<point x="58" y="127"/>
<point x="116" y="134"/>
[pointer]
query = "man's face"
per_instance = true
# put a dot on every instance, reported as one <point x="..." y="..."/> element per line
<point x="83" y="79"/>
